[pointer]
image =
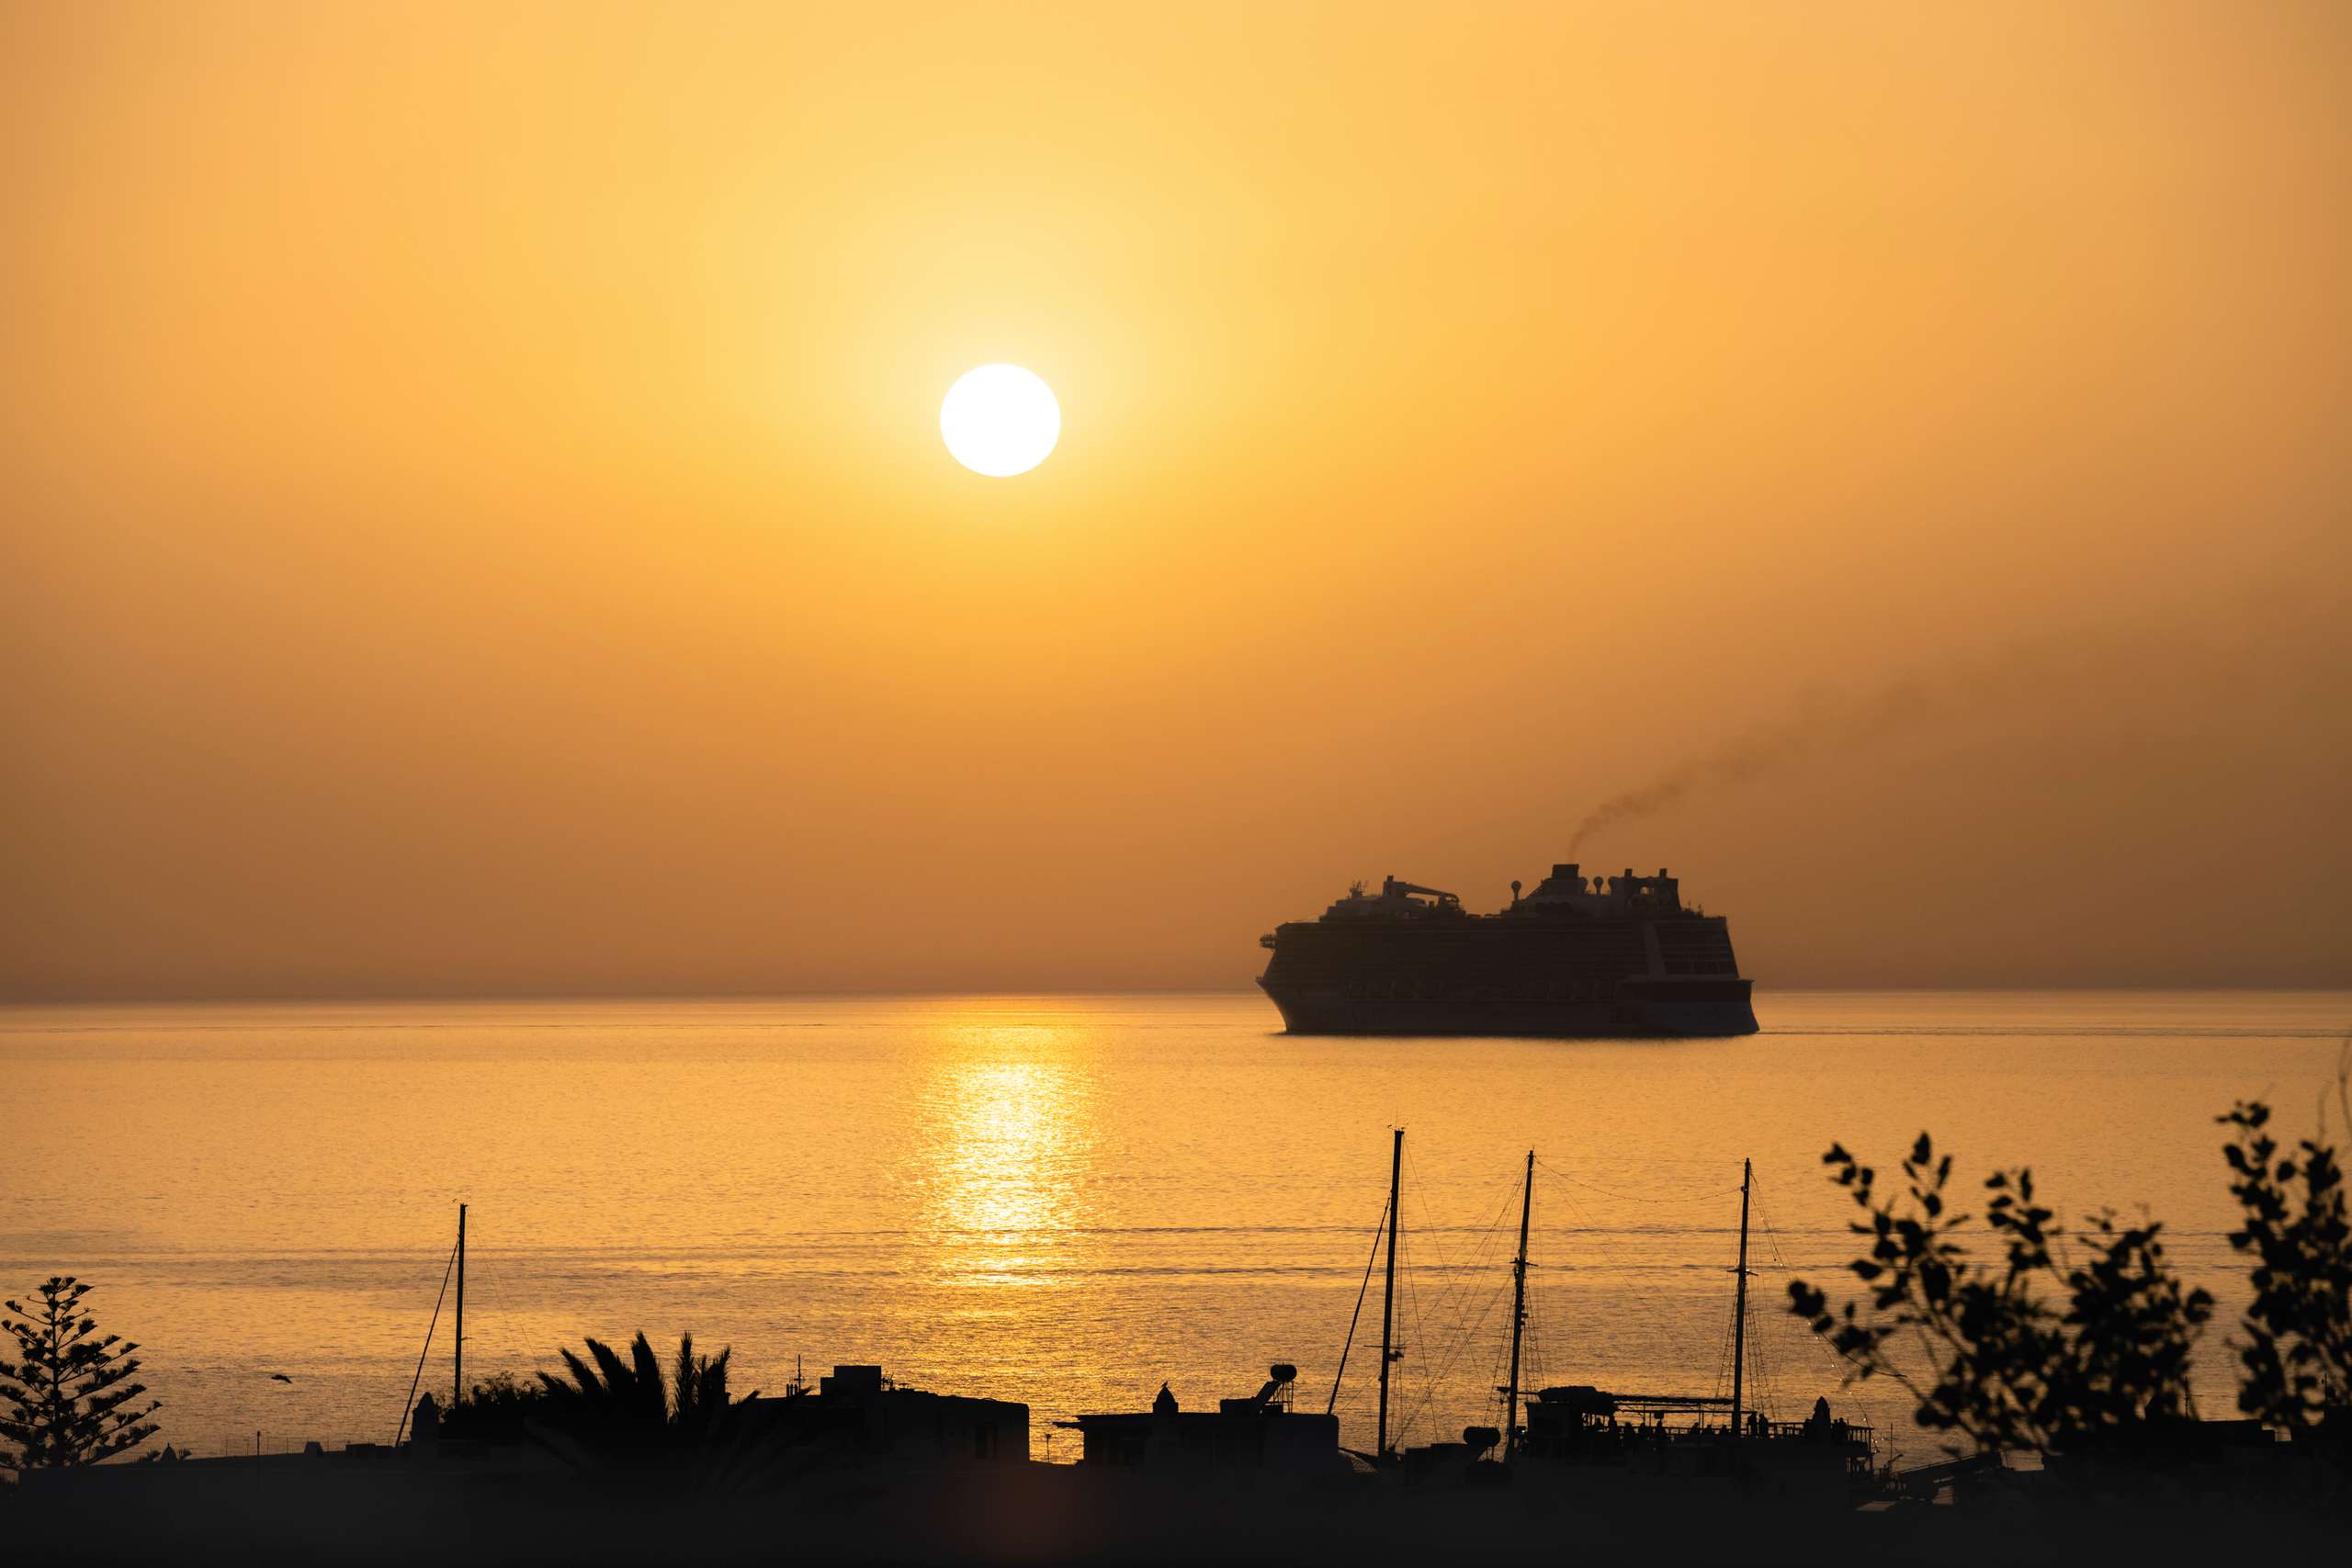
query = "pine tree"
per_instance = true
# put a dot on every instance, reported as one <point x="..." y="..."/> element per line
<point x="69" y="1399"/>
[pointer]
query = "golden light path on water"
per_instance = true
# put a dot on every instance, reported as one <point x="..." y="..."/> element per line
<point x="1006" y="1196"/>
<point x="1064" y="1200"/>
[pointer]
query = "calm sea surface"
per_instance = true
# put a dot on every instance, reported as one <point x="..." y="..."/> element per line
<point x="1060" y="1199"/>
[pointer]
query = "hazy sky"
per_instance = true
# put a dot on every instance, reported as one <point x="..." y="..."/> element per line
<point x="475" y="520"/>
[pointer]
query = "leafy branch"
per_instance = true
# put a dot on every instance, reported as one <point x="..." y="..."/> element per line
<point x="2027" y="1351"/>
<point x="2297" y="1354"/>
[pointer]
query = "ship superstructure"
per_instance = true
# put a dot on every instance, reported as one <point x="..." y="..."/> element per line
<point x="1595" y="956"/>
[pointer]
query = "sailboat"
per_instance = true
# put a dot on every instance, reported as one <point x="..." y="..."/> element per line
<point x="458" y="1339"/>
<point x="1576" y="1434"/>
<point x="1578" y="1431"/>
<point x="1383" y="1454"/>
<point x="1466" y="1458"/>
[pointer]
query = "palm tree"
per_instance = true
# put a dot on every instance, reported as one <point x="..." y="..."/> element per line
<point x="699" y="1401"/>
<point x="623" y="1403"/>
<point x="608" y="1413"/>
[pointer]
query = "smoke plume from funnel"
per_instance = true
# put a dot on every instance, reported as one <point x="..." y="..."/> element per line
<point x="1823" y="723"/>
<point x="1846" y="722"/>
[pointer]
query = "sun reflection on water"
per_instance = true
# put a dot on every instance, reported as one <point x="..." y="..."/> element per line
<point x="1008" y="1134"/>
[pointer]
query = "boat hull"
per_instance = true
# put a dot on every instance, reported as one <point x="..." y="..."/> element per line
<point x="1708" y="1009"/>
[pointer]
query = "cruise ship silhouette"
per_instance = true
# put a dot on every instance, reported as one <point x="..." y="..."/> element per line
<point x="1598" y="957"/>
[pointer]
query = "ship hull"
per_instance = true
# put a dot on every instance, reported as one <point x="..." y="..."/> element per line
<point x="1704" y="1010"/>
<point x="1602" y="958"/>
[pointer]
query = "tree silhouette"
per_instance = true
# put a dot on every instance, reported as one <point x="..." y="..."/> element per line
<point x="496" y="1409"/>
<point x="616" y="1417"/>
<point x="70" y="1397"/>
<point x="2025" y="1352"/>
<point x="632" y="1401"/>
<point x="2297" y="1353"/>
<point x="698" y="1401"/>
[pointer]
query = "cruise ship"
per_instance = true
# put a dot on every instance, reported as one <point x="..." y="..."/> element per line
<point x="1600" y="958"/>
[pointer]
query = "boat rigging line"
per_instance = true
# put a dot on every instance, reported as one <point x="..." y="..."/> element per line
<point x="427" y="1348"/>
<point x="1781" y="1264"/>
<point x="1551" y="1170"/>
<point x="1349" y="1343"/>
<point x="1461" y="1276"/>
<point x="1391" y="1352"/>
<point x="1436" y="1382"/>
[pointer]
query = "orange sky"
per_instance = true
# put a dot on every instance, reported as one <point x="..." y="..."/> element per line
<point x="472" y="516"/>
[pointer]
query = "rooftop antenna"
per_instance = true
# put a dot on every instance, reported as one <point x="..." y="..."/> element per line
<point x="1518" y="1313"/>
<point x="1389" y="1353"/>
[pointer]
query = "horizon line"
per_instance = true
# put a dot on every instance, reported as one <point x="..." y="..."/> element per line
<point x="369" y="998"/>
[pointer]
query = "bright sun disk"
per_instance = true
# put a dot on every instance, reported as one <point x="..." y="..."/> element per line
<point x="1000" y="420"/>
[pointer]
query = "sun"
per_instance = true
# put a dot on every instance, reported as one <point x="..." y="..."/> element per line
<point x="1000" y="420"/>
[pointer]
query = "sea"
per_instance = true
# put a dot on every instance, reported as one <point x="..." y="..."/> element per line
<point x="1067" y="1201"/>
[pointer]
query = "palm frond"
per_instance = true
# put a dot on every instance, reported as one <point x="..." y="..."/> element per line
<point x="646" y="1399"/>
<point x="616" y="1372"/>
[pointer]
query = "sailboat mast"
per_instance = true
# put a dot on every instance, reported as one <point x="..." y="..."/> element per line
<point x="1388" y="1293"/>
<point x="458" y="1355"/>
<point x="1739" y="1303"/>
<point x="1518" y="1313"/>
